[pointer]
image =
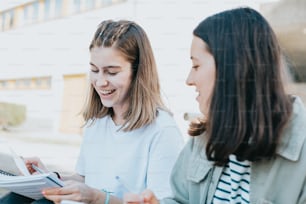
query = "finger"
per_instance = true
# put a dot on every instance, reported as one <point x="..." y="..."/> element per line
<point x="147" y="195"/>
<point x="60" y="198"/>
<point x="54" y="198"/>
<point x="53" y="191"/>
<point x="131" y="198"/>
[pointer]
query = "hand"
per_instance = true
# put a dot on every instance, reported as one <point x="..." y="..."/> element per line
<point x="74" y="191"/>
<point x="37" y="162"/>
<point x="146" y="197"/>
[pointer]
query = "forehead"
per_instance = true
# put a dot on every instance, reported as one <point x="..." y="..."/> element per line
<point x="198" y="43"/>
<point x="198" y="47"/>
<point x="106" y="55"/>
<point x="104" y="51"/>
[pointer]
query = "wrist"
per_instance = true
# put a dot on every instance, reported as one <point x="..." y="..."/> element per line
<point x="98" y="197"/>
<point x="106" y="196"/>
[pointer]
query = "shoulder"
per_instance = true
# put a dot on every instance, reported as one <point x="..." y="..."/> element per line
<point x="164" y="119"/>
<point x="164" y="133"/>
<point x="193" y="161"/>
<point x="194" y="148"/>
<point x="292" y="144"/>
<point x="165" y="126"/>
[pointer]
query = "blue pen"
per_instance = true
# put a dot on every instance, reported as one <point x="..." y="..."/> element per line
<point x="128" y="190"/>
<point x="54" y="180"/>
<point x="123" y="184"/>
<point x="36" y="168"/>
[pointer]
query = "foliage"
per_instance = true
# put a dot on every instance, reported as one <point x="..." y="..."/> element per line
<point x="11" y="114"/>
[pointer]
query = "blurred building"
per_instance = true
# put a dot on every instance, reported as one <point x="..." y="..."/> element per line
<point x="44" y="52"/>
<point x="44" y="56"/>
<point x="288" y="19"/>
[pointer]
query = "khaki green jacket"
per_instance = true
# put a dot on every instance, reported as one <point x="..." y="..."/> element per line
<point x="280" y="181"/>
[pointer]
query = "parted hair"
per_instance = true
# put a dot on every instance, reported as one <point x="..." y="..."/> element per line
<point x="249" y="108"/>
<point x="144" y="93"/>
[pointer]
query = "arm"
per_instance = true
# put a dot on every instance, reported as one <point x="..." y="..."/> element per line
<point x="76" y="191"/>
<point x="302" y="198"/>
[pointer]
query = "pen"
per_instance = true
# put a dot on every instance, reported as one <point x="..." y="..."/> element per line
<point x="128" y="190"/>
<point x="36" y="168"/>
<point x="123" y="184"/>
<point x="53" y="179"/>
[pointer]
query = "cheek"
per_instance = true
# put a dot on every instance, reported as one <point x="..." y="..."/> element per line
<point x="92" y="78"/>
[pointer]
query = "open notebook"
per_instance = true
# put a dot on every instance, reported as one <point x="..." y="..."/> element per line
<point x="27" y="185"/>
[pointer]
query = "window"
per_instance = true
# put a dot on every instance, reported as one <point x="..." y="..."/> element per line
<point x="76" y="6"/>
<point x="90" y="4"/>
<point x="47" y="9"/>
<point x="26" y="83"/>
<point x="58" y="8"/>
<point x="35" y="11"/>
<point x="11" y="18"/>
<point x="106" y="2"/>
<point x="2" y="20"/>
<point x="28" y="13"/>
<point x="36" y="83"/>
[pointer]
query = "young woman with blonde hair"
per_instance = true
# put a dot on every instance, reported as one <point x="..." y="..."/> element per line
<point x="130" y="140"/>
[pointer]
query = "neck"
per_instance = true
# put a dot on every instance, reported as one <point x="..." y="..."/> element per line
<point x="118" y="120"/>
<point x="118" y="116"/>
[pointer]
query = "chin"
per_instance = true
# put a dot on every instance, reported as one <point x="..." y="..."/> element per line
<point x="107" y="104"/>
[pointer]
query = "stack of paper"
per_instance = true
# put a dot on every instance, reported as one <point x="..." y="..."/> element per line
<point x="30" y="186"/>
<point x="26" y="184"/>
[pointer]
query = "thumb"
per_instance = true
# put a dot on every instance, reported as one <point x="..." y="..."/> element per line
<point x="148" y="196"/>
<point x="132" y="198"/>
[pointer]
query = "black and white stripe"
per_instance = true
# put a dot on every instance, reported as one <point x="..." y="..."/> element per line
<point x="234" y="184"/>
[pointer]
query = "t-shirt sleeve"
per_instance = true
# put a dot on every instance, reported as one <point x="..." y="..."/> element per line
<point x="163" y="154"/>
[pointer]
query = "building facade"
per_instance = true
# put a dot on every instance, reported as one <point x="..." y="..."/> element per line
<point x="45" y="58"/>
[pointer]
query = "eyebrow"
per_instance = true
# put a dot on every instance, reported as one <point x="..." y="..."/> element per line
<point x="107" y="67"/>
<point x="193" y="58"/>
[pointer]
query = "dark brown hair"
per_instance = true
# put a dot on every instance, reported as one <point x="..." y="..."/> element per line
<point x="249" y="108"/>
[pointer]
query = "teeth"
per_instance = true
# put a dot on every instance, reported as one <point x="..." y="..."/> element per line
<point x="105" y="92"/>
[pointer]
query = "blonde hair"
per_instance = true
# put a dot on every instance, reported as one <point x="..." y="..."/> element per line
<point x="144" y="93"/>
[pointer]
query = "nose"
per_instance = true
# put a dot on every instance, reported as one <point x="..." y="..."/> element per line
<point x="101" y="80"/>
<point x="189" y="80"/>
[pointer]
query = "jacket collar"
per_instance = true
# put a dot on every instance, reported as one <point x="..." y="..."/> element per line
<point x="294" y="135"/>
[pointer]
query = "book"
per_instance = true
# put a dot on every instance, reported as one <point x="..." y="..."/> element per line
<point x="30" y="186"/>
<point x="5" y="173"/>
<point x="26" y="184"/>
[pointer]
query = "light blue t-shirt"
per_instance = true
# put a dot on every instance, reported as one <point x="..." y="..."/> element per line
<point x="142" y="158"/>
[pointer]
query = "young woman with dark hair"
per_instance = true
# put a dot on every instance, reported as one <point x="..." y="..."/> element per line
<point x="252" y="136"/>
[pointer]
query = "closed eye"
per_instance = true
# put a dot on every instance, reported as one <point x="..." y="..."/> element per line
<point x="112" y="73"/>
<point x="195" y="67"/>
<point x="94" y="70"/>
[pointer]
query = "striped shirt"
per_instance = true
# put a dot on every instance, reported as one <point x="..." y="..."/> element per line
<point x="234" y="184"/>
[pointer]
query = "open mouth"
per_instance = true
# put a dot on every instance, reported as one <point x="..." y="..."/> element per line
<point x="107" y="92"/>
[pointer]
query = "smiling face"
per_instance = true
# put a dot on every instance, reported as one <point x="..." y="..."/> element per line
<point x="110" y="75"/>
<point x="203" y="73"/>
